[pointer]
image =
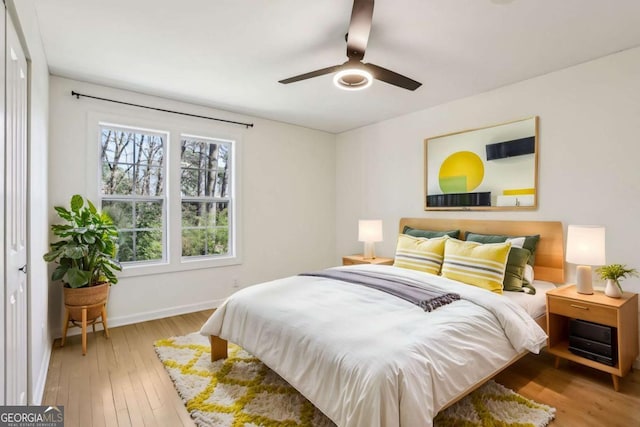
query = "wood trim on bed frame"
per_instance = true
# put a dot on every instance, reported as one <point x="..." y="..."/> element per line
<point x="549" y="264"/>
<point x="542" y="321"/>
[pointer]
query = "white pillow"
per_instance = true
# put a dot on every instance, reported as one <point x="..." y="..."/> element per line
<point x="528" y="274"/>
<point x="516" y="242"/>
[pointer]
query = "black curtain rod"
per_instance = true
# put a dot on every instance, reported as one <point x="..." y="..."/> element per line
<point x="78" y="95"/>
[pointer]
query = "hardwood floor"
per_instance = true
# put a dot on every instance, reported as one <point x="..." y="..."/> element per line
<point x="121" y="382"/>
<point x="582" y="396"/>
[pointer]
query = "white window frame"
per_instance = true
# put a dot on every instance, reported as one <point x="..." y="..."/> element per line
<point x="159" y="122"/>
<point x="164" y="197"/>
<point x="230" y="199"/>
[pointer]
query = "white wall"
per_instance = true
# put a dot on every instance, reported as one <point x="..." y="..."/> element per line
<point x="288" y="199"/>
<point x="38" y="290"/>
<point x="588" y="156"/>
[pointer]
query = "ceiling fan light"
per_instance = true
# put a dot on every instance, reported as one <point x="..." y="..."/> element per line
<point x="353" y="79"/>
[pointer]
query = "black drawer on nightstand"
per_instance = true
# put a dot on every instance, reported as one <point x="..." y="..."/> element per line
<point x="592" y="331"/>
<point x="592" y="346"/>
<point x="593" y="356"/>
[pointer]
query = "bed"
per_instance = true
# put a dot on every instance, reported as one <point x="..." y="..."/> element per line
<point x="366" y="358"/>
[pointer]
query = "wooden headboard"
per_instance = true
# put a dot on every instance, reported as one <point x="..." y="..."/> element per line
<point x="549" y="264"/>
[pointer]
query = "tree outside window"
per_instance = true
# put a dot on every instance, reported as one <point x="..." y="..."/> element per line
<point x="205" y="184"/>
<point x="133" y="190"/>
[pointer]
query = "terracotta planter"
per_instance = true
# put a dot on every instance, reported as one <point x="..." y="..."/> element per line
<point x="95" y="296"/>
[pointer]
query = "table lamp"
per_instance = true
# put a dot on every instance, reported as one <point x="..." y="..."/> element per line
<point x="586" y="247"/>
<point x="369" y="232"/>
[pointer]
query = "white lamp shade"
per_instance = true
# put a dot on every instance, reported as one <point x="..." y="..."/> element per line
<point x="586" y="245"/>
<point x="370" y="230"/>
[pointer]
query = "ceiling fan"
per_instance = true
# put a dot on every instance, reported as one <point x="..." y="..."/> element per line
<point x="354" y="74"/>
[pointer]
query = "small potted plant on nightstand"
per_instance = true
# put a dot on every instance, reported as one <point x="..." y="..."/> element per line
<point x="613" y="273"/>
<point x="85" y="255"/>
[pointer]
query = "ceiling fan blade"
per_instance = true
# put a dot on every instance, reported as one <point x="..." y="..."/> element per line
<point x="312" y="74"/>
<point x="359" y="28"/>
<point x="392" y="77"/>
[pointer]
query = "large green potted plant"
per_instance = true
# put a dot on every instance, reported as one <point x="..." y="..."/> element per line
<point x="85" y="256"/>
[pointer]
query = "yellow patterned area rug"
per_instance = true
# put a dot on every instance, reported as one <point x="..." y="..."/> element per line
<point x="242" y="392"/>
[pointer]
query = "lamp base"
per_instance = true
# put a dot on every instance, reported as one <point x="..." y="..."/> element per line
<point x="369" y="250"/>
<point x="583" y="280"/>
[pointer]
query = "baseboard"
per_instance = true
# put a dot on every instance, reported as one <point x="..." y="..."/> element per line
<point x="161" y="314"/>
<point x="38" y="390"/>
<point x="151" y="315"/>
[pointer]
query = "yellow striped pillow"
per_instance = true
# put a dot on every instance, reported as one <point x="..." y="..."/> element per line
<point x="419" y="253"/>
<point x="476" y="264"/>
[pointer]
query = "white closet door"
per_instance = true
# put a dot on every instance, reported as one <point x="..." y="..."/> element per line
<point x="2" y="196"/>
<point x="16" y="354"/>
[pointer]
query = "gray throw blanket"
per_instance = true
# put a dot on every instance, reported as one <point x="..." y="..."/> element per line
<point x="427" y="299"/>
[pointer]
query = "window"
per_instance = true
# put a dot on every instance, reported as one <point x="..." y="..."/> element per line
<point x="205" y="188"/>
<point x="172" y="194"/>
<point x="133" y="190"/>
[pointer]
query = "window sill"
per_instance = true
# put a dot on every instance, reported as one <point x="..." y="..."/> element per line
<point x="182" y="265"/>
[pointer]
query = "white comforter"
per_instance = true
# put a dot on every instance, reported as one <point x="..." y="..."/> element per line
<point x="366" y="358"/>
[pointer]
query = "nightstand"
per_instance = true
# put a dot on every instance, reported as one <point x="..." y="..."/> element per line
<point x="565" y="304"/>
<point x="359" y="259"/>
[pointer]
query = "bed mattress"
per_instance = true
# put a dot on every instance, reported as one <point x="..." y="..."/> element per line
<point x="536" y="304"/>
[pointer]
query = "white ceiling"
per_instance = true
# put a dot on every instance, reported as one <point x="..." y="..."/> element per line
<point x="230" y="54"/>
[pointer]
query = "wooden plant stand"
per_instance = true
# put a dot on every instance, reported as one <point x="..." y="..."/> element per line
<point x="83" y="323"/>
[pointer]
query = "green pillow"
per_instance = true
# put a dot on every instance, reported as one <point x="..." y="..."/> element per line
<point x="513" y="275"/>
<point x="526" y="287"/>
<point x="428" y="233"/>
<point x="530" y="242"/>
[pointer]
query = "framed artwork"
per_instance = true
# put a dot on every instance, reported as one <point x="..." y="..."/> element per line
<point x="490" y="168"/>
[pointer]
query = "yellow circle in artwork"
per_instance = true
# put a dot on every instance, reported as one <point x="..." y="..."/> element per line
<point x="461" y="172"/>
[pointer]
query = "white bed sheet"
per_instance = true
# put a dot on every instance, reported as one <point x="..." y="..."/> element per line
<point x="365" y="358"/>
<point x="535" y="305"/>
